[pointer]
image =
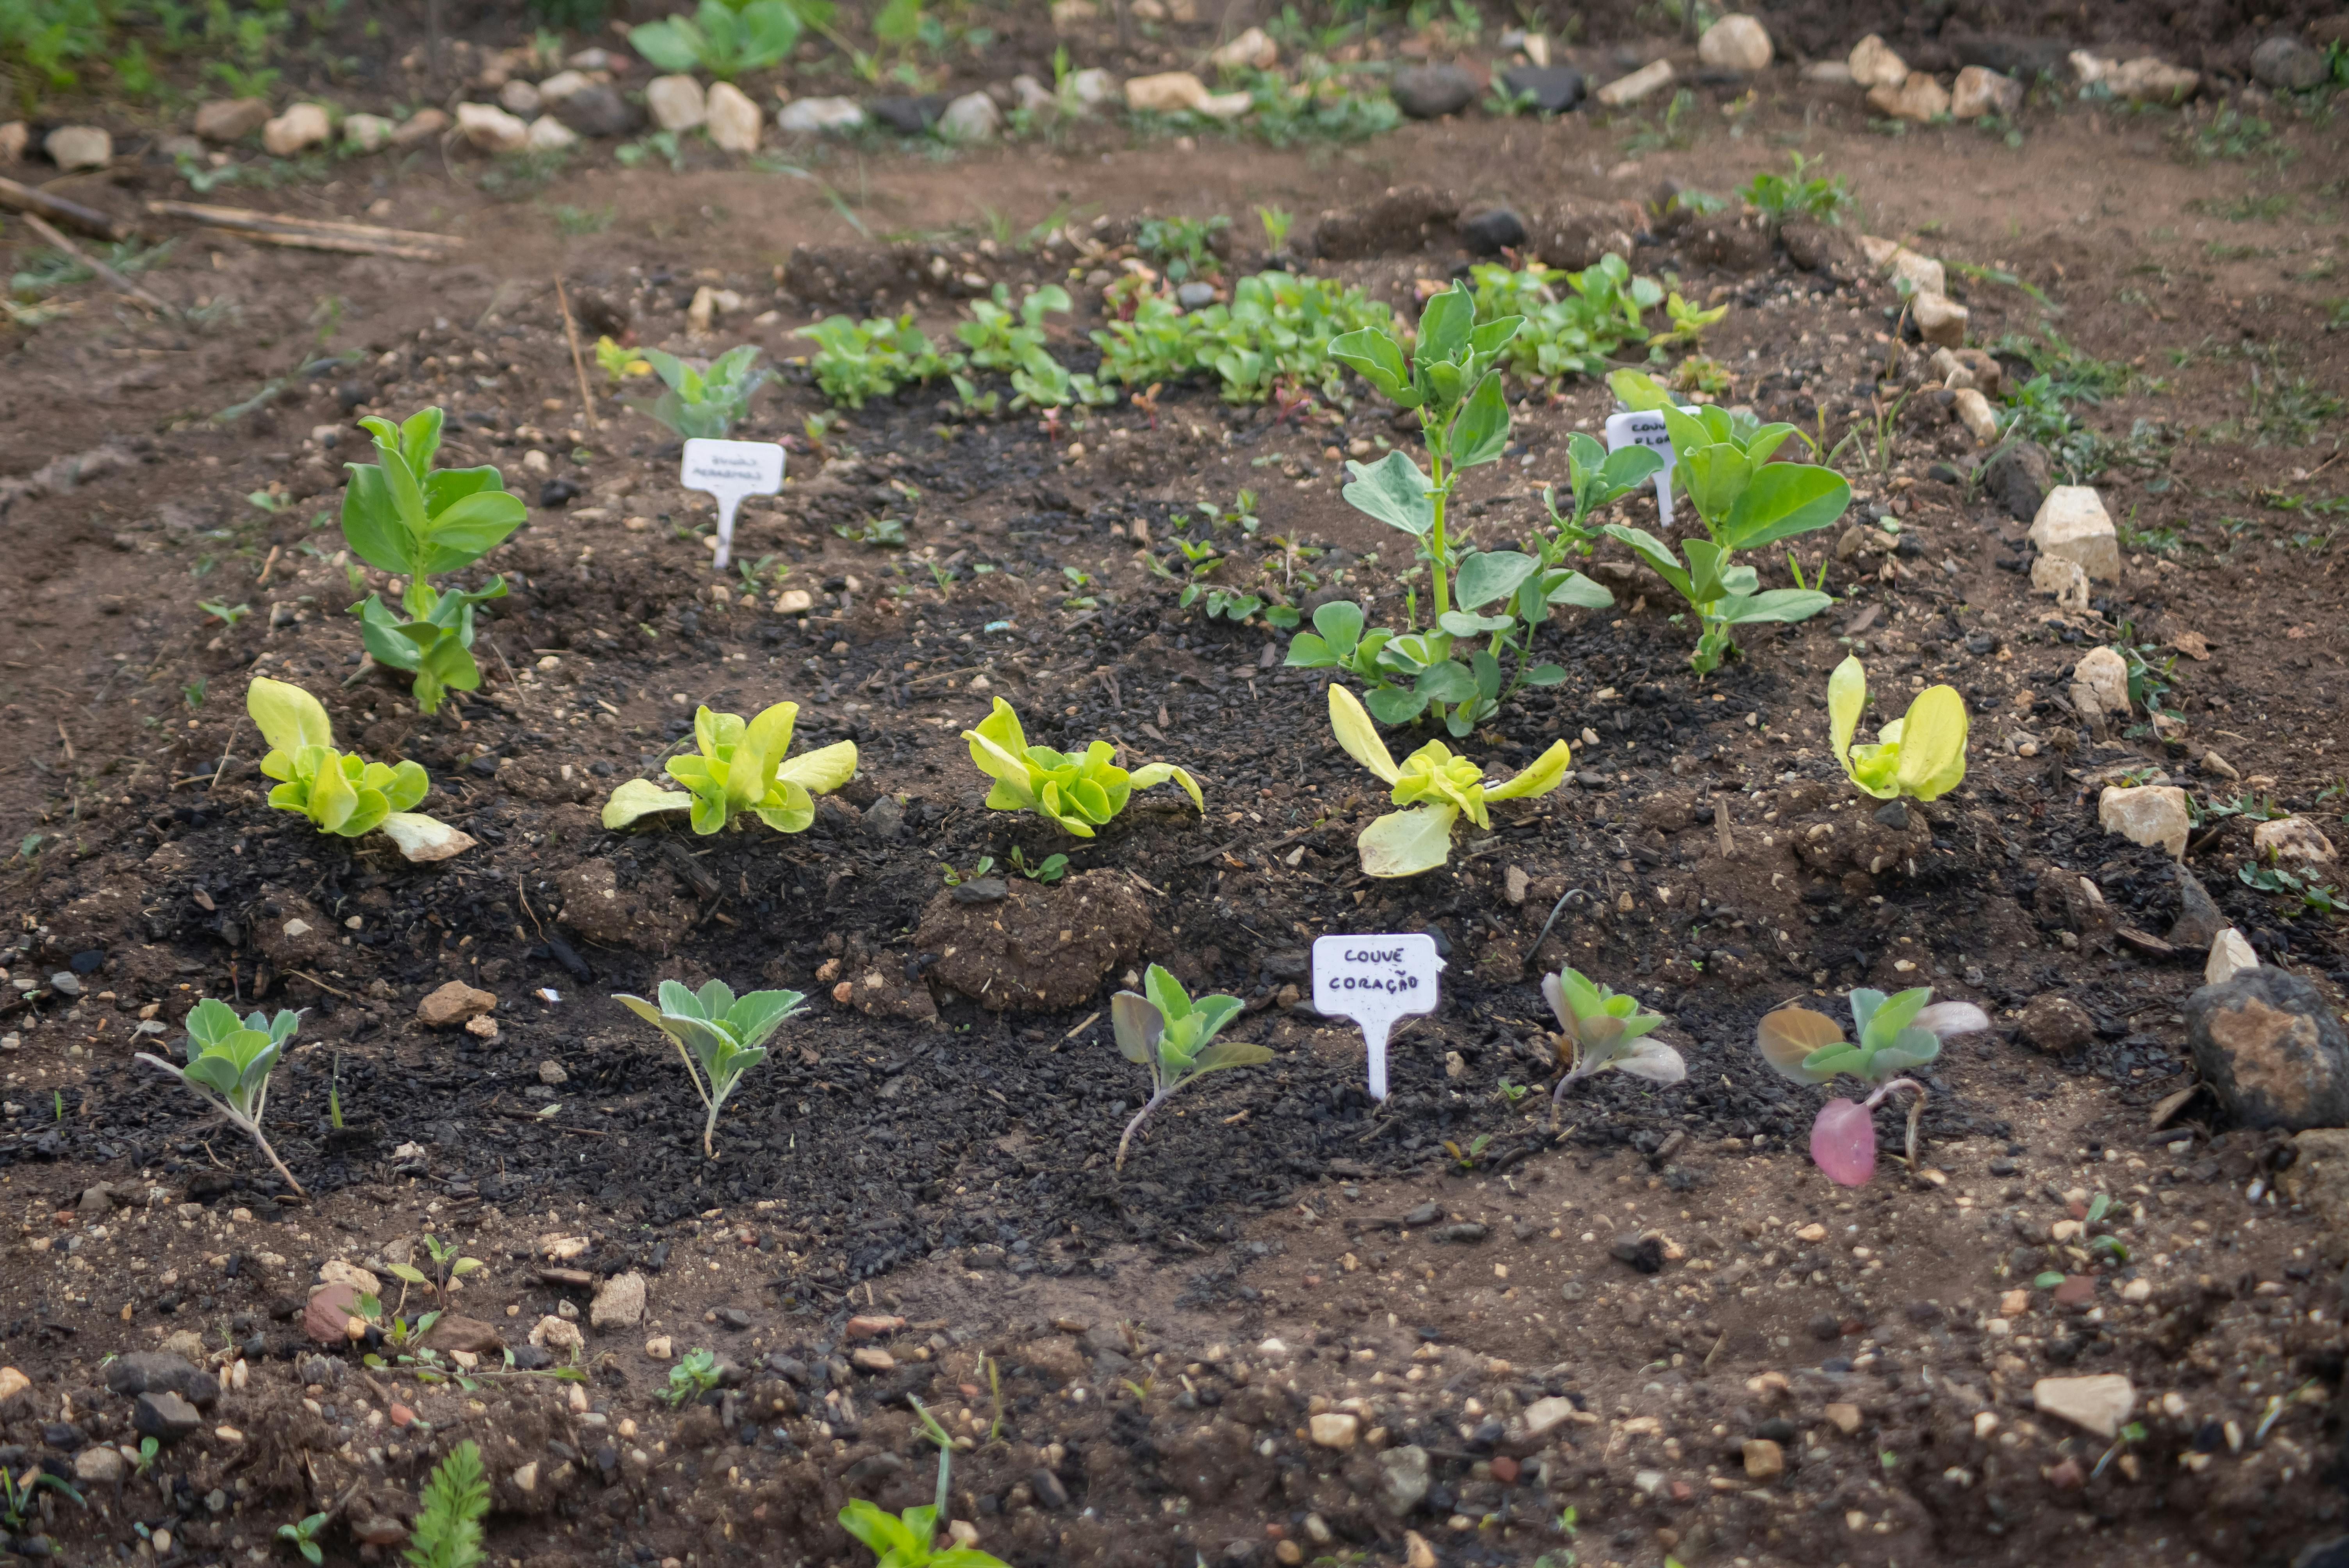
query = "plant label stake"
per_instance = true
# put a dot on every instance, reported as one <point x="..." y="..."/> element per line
<point x="1630" y="429"/>
<point x="1375" y="980"/>
<point x="730" y="470"/>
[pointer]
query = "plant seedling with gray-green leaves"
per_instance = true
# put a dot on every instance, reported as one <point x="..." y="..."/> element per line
<point x="1598" y="1028"/>
<point x="1744" y="500"/>
<point x="717" y="1035"/>
<point x="402" y="516"/>
<point x="1897" y="1034"/>
<point x="1171" y="1034"/>
<point x="229" y="1063"/>
<point x="722" y="38"/>
<point x="703" y="403"/>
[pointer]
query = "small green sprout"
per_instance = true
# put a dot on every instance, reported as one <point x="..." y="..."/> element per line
<point x="703" y="402"/>
<point x="1921" y="755"/>
<point x="717" y="1035"/>
<point x="1598" y="1028"/>
<point x="229" y="1063"/>
<point x="695" y="1374"/>
<point x="303" y="1535"/>
<point x="1167" y="1030"/>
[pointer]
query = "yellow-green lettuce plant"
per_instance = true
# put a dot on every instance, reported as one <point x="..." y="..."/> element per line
<point x="1437" y="789"/>
<point x="739" y="767"/>
<point x="341" y="793"/>
<point x="1921" y="755"/>
<point x="1078" y="793"/>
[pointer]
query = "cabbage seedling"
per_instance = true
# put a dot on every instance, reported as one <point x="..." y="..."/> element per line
<point x="1921" y="755"/>
<point x="401" y="516"/>
<point x="1744" y="500"/>
<point x="719" y="1036"/>
<point x="229" y="1063"/>
<point x="703" y="402"/>
<point x="739" y="768"/>
<point x="1598" y="1028"/>
<point x="343" y="794"/>
<point x="723" y="39"/>
<point x="1897" y="1034"/>
<point x="1439" y="787"/>
<point x="1164" y="1028"/>
<point x="1079" y="793"/>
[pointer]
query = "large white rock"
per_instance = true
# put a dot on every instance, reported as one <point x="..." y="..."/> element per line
<point x="1873" y="64"/>
<point x="1981" y="91"/>
<point x="231" y="120"/>
<point x="2053" y="574"/>
<point x="79" y="146"/>
<point x="548" y="134"/>
<point x="2230" y="955"/>
<point x="1975" y="414"/>
<point x="734" y="120"/>
<point x="1923" y="273"/>
<point x="1252" y="50"/>
<point x="301" y="126"/>
<point x="1939" y="320"/>
<point x="419" y="127"/>
<point x="490" y="129"/>
<point x="1630" y="89"/>
<point x="970" y="118"/>
<point x="1921" y="97"/>
<point x="1173" y="92"/>
<point x="676" y="103"/>
<point x="2098" y="1403"/>
<point x="2148" y="814"/>
<point x="619" y="1302"/>
<point x="1093" y="86"/>
<point x="807" y="116"/>
<point x="1735" y="42"/>
<point x="2292" y="840"/>
<point x="563" y="85"/>
<point x="2073" y="523"/>
<point x="2145" y="78"/>
<point x="521" y="98"/>
<point x="2106" y="675"/>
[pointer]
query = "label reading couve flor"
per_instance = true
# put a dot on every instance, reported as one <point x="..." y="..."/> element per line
<point x="1375" y="980"/>
<point x="1630" y="429"/>
<point x="730" y="470"/>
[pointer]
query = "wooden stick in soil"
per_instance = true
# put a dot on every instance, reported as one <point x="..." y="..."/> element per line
<point x="314" y="233"/>
<point x="578" y="362"/>
<point x="57" y="209"/>
<point x="112" y="279"/>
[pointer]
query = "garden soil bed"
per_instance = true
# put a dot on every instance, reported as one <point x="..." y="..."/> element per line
<point x="1757" y="1366"/>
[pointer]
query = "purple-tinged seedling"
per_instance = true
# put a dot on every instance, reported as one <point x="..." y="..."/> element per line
<point x="1897" y="1033"/>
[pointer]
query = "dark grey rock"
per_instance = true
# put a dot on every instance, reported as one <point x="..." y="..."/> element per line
<point x="1644" y="1253"/>
<point x="2198" y="920"/>
<point x="872" y="1467"/>
<point x="327" y="1372"/>
<point x="886" y="818"/>
<point x="982" y="889"/>
<point x="597" y="110"/>
<point x="1050" y="1495"/>
<point x="2332" y="1553"/>
<point x="908" y="115"/>
<point x="1426" y="1215"/>
<point x="2287" y="64"/>
<point x="1554" y="89"/>
<point x="1492" y="230"/>
<point x="1430" y="92"/>
<point x="1465" y="1231"/>
<point x="159" y="1371"/>
<point x="165" y="1415"/>
<point x="1894" y="814"/>
<point x="2271" y="1051"/>
<point x="2018" y="478"/>
<point x="733" y="1317"/>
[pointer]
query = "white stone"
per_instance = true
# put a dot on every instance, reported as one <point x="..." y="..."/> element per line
<point x="1873" y="64"/>
<point x="1924" y="274"/>
<point x="807" y="116"/>
<point x="490" y="129"/>
<point x="420" y="127"/>
<point x="1974" y="412"/>
<point x="1920" y="97"/>
<point x="619" y="1302"/>
<point x="1252" y="50"/>
<point x="970" y="118"/>
<point x="1168" y="92"/>
<point x="1981" y="91"/>
<point x="676" y="103"/>
<point x="2230" y="955"/>
<point x="2055" y="574"/>
<point x="79" y="146"/>
<point x="552" y="1332"/>
<point x="2106" y="675"/>
<point x="734" y="120"/>
<point x="1941" y="320"/>
<point x="2073" y="523"/>
<point x="2294" y="840"/>
<point x="548" y="134"/>
<point x="1543" y="1416"/>
<point x="301" y="126"/>
<point x="2145" y="78"/>
<point x="560" y="86"/>
<point x="1093" y="87"/>
<point x="1827" y="73"/>
<point x="1735" y="42"/>
<point x="1335" y="1429"/>
<point x="15" y="137"/>
<point x="368" y="132"/>
<point x="1630" y="89"/>
<point x="521" y="98"/>
<point x="336" y="1270"/>
<point x="2098" y="1403"/>
<point x="1033" y="95"/>
<point x="2148" y="814"/>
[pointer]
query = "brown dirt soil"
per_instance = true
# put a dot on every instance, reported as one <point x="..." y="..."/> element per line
<point x="1755" y="1367"/>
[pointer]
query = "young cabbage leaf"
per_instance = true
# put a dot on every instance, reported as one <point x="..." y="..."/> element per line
<point x="1173" y="1033"/>
<point x="1896" y="1035"/>
<point x="341" y="794"/>
<point x="703" y="402"/>
<point x="1080" y="793"/>
<point x="739" y="767"/>
<point x="719" y="1036"/>
<point x="1599" y="1029"/>
<point x="229" y="1063"/>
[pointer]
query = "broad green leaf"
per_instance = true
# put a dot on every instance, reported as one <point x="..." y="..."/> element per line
<point x="1154" y="773"/>
<point x="1638" y="391"/>
<point x="1544" y="774"/>
<point x="1933" y="744"/>
<point x="1137" y="1025"/>
<point x="639" y="798"/>
<point x="1405" y="844"/>
<point x="1230" y="1053"/>
<point x="1704" y="569"/>
<point x="1582" y="593"/>
<point x="1782" y="499"/>
<point x="1396" y="705"/>
<point x="1864" y="1001"/>
<point x="1359" y="735"/>
<point x="823" y="771"/>
<point x="371" y="521"/>
<point x="1392" y="491"/>
<point x="1482" y="432"/>
<point x="1842" y="1059"/>
<point x="1779" y="605"/>
<point x="1894" y="1014"/>
<point x="1166" y="995"/>
<point x="1307" y="652"/>
<point x="1654" y="551"/>
<point x="1377" y="359"/>
<point x="751" y="1019"/>
<point x="1487" y="576"/>
<point x="287" y="716"/>
<point x="1847" y="696"/>
<point x="1447" y="682"/>
<point x="1339" y="623"/>
<point x="1444" y="325"/>
<point x="680" y="1000"/>
<point x="1715" y="477"/>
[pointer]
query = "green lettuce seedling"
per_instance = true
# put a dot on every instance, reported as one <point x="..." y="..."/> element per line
<point x="857" y="360"/>
<point x="1897" y="1034"/>
<point x="723" y="39"/>
<point x="719" y="1036"/>
<point x="999" y="340"/>
<point x="739" y="767"/>
<point x="704" y="404"/>
<point x="1080" y="793"/>
<point x="401" y="516"/>
<point x="1171" y="1033"/>
<point x="1438" y="787"/>
<point x="229" y="1063"/>
<point x="341" y="794"/>
<point x="1599" y="1030"/>
<point x="1921" y="755"/>
<point x="1744" y="500"/>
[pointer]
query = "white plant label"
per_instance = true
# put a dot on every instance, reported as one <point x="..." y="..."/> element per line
<point x="730" y="470"/>
<point x="1630" y="429"/>
<point x="1375" y="980"/>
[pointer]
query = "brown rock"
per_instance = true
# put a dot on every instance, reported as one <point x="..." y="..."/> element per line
<point x="1575" y="234"/>
<point x="873" y="1325"/>
<point x="1765" y="1459"/>
<point x="2272" y="1050"/>
<point x="231" y="120"/>
<point x="454" y="1003"/>
<point x="1039" y="947"/>
<point x="2056" y="1025"/>
<point x="290" y="932"/>
<point x="456" y="1332"/>
<point x="2318" y="1180"/>
<point x="1815" y="246"/>
<point x="332" y="1310"/>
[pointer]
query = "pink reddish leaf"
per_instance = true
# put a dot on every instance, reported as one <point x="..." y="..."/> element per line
<point x="1843" y="1143"/>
